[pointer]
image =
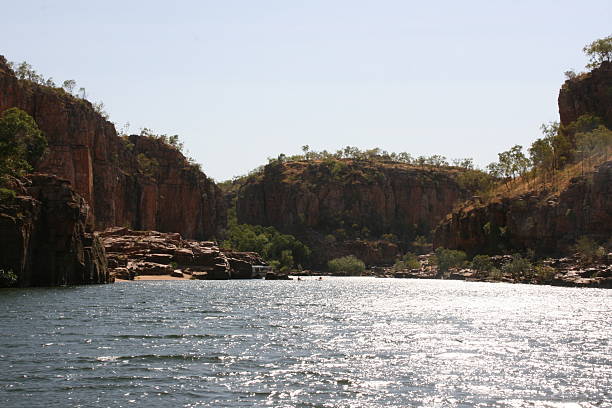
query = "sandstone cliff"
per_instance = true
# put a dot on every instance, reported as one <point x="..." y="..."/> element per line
<point x="588" y="93"/>
<point x="344" y="206"/>
<point x="44" y="238"/>
<point x="548" y="223"/>
<point x="105" y="169"/>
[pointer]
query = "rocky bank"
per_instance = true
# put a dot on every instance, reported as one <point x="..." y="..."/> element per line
<point x="45" y="237"/>
<point x="132" y="253"/>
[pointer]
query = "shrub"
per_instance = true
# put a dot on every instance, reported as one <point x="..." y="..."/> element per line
<point x="350" y="264"/>
<point x="7" y="278"/>
<point x="420" y="245"/>
<point x="268" y="242"/>
<point x="449" y="258"/>
<point x="587" y="249"/>
<point x="408" y="261"/>
<point x="544" y="273"/>
<point x="495" y="274"/>
<point x="518" y="268"/>
<point x="482" y="264"/>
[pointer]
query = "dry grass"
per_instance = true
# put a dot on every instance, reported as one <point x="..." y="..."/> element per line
<point x="553" y="185"/>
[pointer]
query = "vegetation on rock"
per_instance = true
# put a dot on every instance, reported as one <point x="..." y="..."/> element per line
<point x="22" y="144"/>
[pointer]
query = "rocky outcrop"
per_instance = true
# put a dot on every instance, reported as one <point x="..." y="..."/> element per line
<point x="44" y="236"/>
<point x="548" y="223"/>
<point x="588" y="93"/>
<point x="340" y="207"/>
<point x="132" y="253"/>
<point x="133" y="181"/>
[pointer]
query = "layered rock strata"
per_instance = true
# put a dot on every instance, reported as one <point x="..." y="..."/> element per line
<point x="45" y="238"/>
<point x="132" y="253"/>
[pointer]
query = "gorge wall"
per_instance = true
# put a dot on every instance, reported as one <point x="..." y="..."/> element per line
<point x="107" y="170"/>
<point x="44" y="237"/>
<point x="354" y="202"/>
<point x="548" y="224"/>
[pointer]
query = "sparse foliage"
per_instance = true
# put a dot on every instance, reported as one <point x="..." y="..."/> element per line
<point x="599" y="51"/>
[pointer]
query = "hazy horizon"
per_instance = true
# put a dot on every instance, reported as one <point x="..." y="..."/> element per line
<point x="240" y="82"/>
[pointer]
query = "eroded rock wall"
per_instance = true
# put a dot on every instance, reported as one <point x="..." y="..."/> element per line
<point x="589" y="93"/>
<point x="44" y="236"/>
<point x="102" y="167"/>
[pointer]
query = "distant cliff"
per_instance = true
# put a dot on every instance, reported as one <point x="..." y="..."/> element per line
<point x="588" y="93"/>
<point x="134" y="182"/>
<point x="346" y="206"/>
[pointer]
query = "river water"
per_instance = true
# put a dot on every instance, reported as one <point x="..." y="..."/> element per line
<point x="340" y="342"/>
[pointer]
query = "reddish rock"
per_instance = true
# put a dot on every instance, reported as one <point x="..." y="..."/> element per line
<point x="102" y="167"/>
<point x="44" y="236"/>
<point x="156" y="253"/>
<point x="359" y="199"/>
<point x="545" y="223"/>
<point x="588" y="93"/>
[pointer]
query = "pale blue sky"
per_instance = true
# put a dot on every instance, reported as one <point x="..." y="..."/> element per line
<point x="241" y="81"/>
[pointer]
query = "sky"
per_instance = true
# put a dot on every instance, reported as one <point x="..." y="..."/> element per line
<point x="242" y="81"/>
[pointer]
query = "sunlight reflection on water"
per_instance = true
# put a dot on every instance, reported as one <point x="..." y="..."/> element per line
<point x="340" y="342"/>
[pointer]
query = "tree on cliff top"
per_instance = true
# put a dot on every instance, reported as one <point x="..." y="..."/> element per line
<point x="22" y="144"/>
<point x="599" y="51"/>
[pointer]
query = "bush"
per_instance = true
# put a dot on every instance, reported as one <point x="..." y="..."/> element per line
<point x="495" y="274"/>
<point x="449" y="258"/>
<point x="587" y="249"/>
<point x="268" y="242"/>
<point x="518" y="268"/>
<point x="420" y="245"/>
<point x="544" y="273"/>
<point x="7" y="278"/>
<point x="482" y="264"/>
<point x="408" y="261"/>
<point x="350" y="264"/>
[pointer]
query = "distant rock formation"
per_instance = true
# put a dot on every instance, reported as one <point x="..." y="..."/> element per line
<point x="589" y="93"/>
<point x="106" y="169"/>
<point x="339" y="207"/>
<point x="548" y="223"/>
<point x="132" y="253"/>
<point x="44" y="236"/>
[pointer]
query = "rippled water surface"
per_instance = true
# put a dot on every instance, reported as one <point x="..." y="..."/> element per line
<point x="340" y="342"/>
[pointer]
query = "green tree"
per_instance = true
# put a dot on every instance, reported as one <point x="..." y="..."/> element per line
<point x="599" y="51"/>
<point x="347" y="264"/>
<point x="22" y="144"/>
<point x="449" y="258"/>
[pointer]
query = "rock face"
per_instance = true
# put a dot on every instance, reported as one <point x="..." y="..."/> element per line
<point x="546" y="223"/>
<point x="133" y="253"/>
<point x="133" y="181"/>
<point x="355" y="202"/>
<point x="589" y="93"/>
<point x="45" y="239"/>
